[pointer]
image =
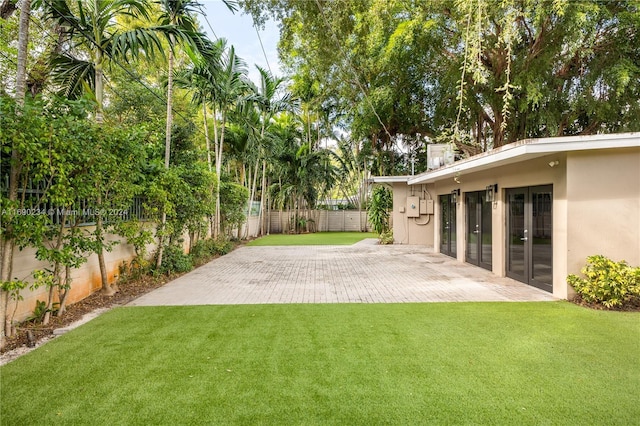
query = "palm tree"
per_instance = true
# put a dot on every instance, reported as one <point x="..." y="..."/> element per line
<point x="303" y="173"/>
<point x="97" y="40"/>
<point x="180" y="15"/>
<point x="228" y="92"/>
<point x="266" y="99"/>
<point x="200" y="79"/>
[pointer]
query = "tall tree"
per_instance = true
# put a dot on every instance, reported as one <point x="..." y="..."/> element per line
<point x="481" y="73"/>
<point x="7" y="241"/>
<point x="270" y="100"/>
<point x="179" y="14"/>
<point x="93" y="29"/>
<point x="229" y="92"/>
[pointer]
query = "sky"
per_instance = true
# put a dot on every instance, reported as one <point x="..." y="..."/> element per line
<point x="239" y="31"/>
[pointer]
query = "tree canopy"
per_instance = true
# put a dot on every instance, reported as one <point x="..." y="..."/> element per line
<point x="481" y="73"/>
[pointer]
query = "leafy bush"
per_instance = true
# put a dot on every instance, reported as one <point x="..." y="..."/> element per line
<point x="174" y="259"/>
<point x="386" y="237"/>
<point x="378" y="210"/>
<point x="204" y="250"/>
<point x="612" y="284"/>
<point x="41" y="310"/>
<point x="233" y="205"/>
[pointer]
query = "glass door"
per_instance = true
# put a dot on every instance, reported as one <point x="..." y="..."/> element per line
<point x="448" y="225"/>
<point x="517" y="234"/>
<point x="529" y="236"/>
<point x="541" y="241"/>
<point x="479" y="229"/>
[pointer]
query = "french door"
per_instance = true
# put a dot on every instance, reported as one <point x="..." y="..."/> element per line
<point x="529" y="235"/>
<point x="448" y="225"/>
<point x="478" y="217"/>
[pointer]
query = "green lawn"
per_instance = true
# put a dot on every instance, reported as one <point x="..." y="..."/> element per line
<point x="463" y="363"/>
<point x="313" y="239"/>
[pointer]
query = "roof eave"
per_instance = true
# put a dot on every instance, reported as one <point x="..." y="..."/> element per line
<point x="526" y="150"/>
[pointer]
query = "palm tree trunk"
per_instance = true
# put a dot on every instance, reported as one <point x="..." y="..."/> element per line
<point x="208" y="146"/>
<point x="254" y="187"/>
<point x="167" y="139"/>
<point x="99" y="88"/>
<point x="167" y="150"/>
<point x="216" y="143"/>
<point x="219" y="149"/>
<point x="206" y="135"/>
<point x="263" y="189"/>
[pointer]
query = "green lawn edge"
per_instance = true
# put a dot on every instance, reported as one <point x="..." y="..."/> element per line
<point x="312" y="239"/>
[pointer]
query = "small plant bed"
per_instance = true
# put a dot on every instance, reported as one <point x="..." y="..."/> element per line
<point x="631" y="306"/>
<point x="126" y="293"/>
<point x="607" y="285"/>
<point x="128" y="290"/>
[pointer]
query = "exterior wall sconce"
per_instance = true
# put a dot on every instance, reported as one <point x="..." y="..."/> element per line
<point x="553" y="163"/>
<point x="490" y="194"/>
<point x="454" y="196"/>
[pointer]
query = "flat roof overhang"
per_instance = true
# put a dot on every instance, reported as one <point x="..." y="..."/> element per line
<point x="389" y="179"/>
<point x="526" y="149"/>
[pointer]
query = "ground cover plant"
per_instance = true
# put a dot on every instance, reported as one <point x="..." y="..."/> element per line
<point x="312" y="239"/>
<point x="439" y="363"/>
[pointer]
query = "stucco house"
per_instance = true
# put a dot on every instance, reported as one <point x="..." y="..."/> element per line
<point x="532" y="210"/>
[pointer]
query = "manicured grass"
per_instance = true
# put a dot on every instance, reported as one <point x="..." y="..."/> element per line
<point x="313" y="239"/>
<point x="464" y="363"/>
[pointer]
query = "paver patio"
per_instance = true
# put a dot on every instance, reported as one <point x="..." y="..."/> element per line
<point x="362" y="273"/>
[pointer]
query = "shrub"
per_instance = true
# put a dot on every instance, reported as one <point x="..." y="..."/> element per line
<point x="378" y="210"/>
<point x="203" y="250"/>
<point x="612" y="284"/>
<point x="386" y="237"/>
<point x="174" y="259"/>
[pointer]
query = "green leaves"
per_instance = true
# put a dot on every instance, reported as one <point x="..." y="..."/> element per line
<point x="378" y="211"/>
<point x="612" y="284"/>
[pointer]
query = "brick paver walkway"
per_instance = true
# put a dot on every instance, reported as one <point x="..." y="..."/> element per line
<point x="362" y="273"/>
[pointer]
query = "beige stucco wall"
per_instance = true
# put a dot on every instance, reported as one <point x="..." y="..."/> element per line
<point x="411" y="230"/>
<point x="603" y="206"/>
<point x="596" y="208"/>
<point x="85" y="280"/>
<point x="532" y="172"/>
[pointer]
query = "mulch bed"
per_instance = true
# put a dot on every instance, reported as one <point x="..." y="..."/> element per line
<point x="126" y="292"/>
<point x="631" y="306"/>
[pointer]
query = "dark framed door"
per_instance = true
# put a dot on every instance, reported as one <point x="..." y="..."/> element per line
<point x="448" y="225"/>
<point x="478" y="249"/>
<point x="529" y="235"/>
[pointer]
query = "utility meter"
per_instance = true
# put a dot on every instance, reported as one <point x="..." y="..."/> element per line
<point x="413" y="207"/>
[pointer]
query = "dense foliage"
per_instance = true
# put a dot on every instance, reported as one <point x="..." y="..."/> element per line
<point x="379" y="207"/>
<point x="481" y="73"/>
<point x="609" y="283"/>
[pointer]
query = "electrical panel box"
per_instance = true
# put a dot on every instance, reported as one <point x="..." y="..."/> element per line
<point x="413" y="207"/>
<point x="426" y="206"/>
